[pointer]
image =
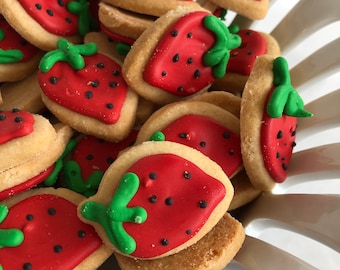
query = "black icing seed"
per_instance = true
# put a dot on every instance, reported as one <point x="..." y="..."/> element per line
<point x="279" y="134"/>
<point x="23" y="42"/>
<point x="38" y="6"/>
<point x="61" y="3"/>
<point x="250" y="52"/>
<point x="110" y="160"/>
<point x="100" y="65"/>
<point x="284" y="167"/>
<point x="203" y="144"/>
<point x="226" y="135"/>
<point x="187" y="175"/>
<point x="109" y="106"/>
<point x="27" y="266"/>
<point x="113" y="84"/>
<point x="51" y="211"/>
<point x="163" y="73"/>
<point x="153" y="199"/>
<point x="88" y="94"/>
<point x="231" y="152"/>
<point x="174" y="33"/>
<point x="68" y="20"/>
<point x="29" y="217"/>
<point x="293" y="144"/>
<point x="81" y="234"/>
<point x="188" y="231"/>
<point x="189" y="60"/>
<point x="50" y="12"/>
<point x="57" y="248"/>
<point x="115" y="73"/>
<point x="164" y="242"/>
<point x="89" y="157"/>
<point x="278" y="155"/>
<point x="197" y="74"/>
<point x="189" y="35"/>
<point x="14" y="110"/>
<point x="2" y="117"/>
<point x="169" y="201"/>
<point x="94" y="83"/>
<point x="294" y="133"/>
<point x="175" y="58"/>
<point x="202" y="204"/>
<point x="180" y="88"/>
<point x="249" y="33"/>
<point x="53" y="80"/>
<point x="153" y="176"/>
<point x="18" y="119"/>
<point x="183" y="135"/>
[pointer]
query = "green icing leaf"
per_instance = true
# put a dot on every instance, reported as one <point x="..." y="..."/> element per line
<point x="10" y="56"/>
<point x="111" y="217"/>
<point x="218" y="56"/>
<point x="9" y="237"/>
<point x="122" y="48"/>
<point x="157" y="136"/>
<point x="69" y="53"/>
<point x="284" y="99"/>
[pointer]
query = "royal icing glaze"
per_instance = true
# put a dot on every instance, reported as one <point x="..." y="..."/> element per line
<point x="13" y="47"/>
<point x="15" y="124"/>
<point x="182" y="194"/>
<point x="86" y="82"/>
<point x="54" y="237"/>
<point x="209" y="137"/>
<point x="191" y="54"/>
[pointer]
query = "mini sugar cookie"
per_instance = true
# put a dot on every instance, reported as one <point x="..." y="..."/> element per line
<point x="214" y="251"/>
<point x="40" y="229"/>
<point x="179" y="56"/>
<point x="24" y="95"/>
<point x="85" y="90"/>
<point x="251" y="9"/>
<point x="43" y="23"/>
<point x="146" y="185"/>
<point x="31" y="145"/>
<point x="242" y="59"/>
<point x="269" y="110"/>
<point x="200" y="125"/>
<point x="18" y="58"/>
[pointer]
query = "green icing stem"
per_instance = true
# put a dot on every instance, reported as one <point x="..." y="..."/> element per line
<point x="218" y="56"/>
<point x="67" y="52"/>
<point x="86" y="22"/>
<point x="10" y="56"/>
<point x="111" y="217"/>
<point x="9" y="237"/>
<point x="75" y="182"/>
<point x="284" y="99"/>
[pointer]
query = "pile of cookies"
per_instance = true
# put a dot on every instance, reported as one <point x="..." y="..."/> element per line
<point x="118" y="116"/>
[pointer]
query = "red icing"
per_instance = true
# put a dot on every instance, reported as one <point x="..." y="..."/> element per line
<point x="181" y="78"/>
<point x="116" y="36"/>
<point x="12" y="40"/>
<point x="171" y="221"/>
<point x="94" y="154"/>
<point x="277" y="150"/>
<point x="242" y="59"/>
<point x="27" y="184"/>
<point x="98" y="90"/>
<point x="14" y="124"/>
<point x="209" y="137"/>
<point x="62" y="22"/>
<point x="45" y="232"/>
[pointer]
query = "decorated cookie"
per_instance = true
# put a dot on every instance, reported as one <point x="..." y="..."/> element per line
<point x="269" y="110"/>
<point x="31" y="146"/>
<point x="179" y="56"/>
<point x="43" y="23"/>
<point x="18" y="58"/>
<point x="214" y="251"/>
<point x="146" y="185"/>
<point x="85" y="90"/>
<point x="242" y="59"/>
<point x="90" y="159"/>
<point x="200" y="125"/>
<point x="40" y="229"/>
<point x="251" y="9"/>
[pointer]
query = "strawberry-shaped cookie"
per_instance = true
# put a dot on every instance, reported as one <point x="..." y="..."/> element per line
<point x="158" y="198"/>
<point x="85" y="89"/>
<point x="18" y="58"/>
<point x="41" y="230"/>
<point x="242" y="59"/>
<point x="89" y="161"/>
<point x="44" y="22"/>
<point x="269" y="110"/>
<point x="200" y="125"/>
<point x="180" y="55"/>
